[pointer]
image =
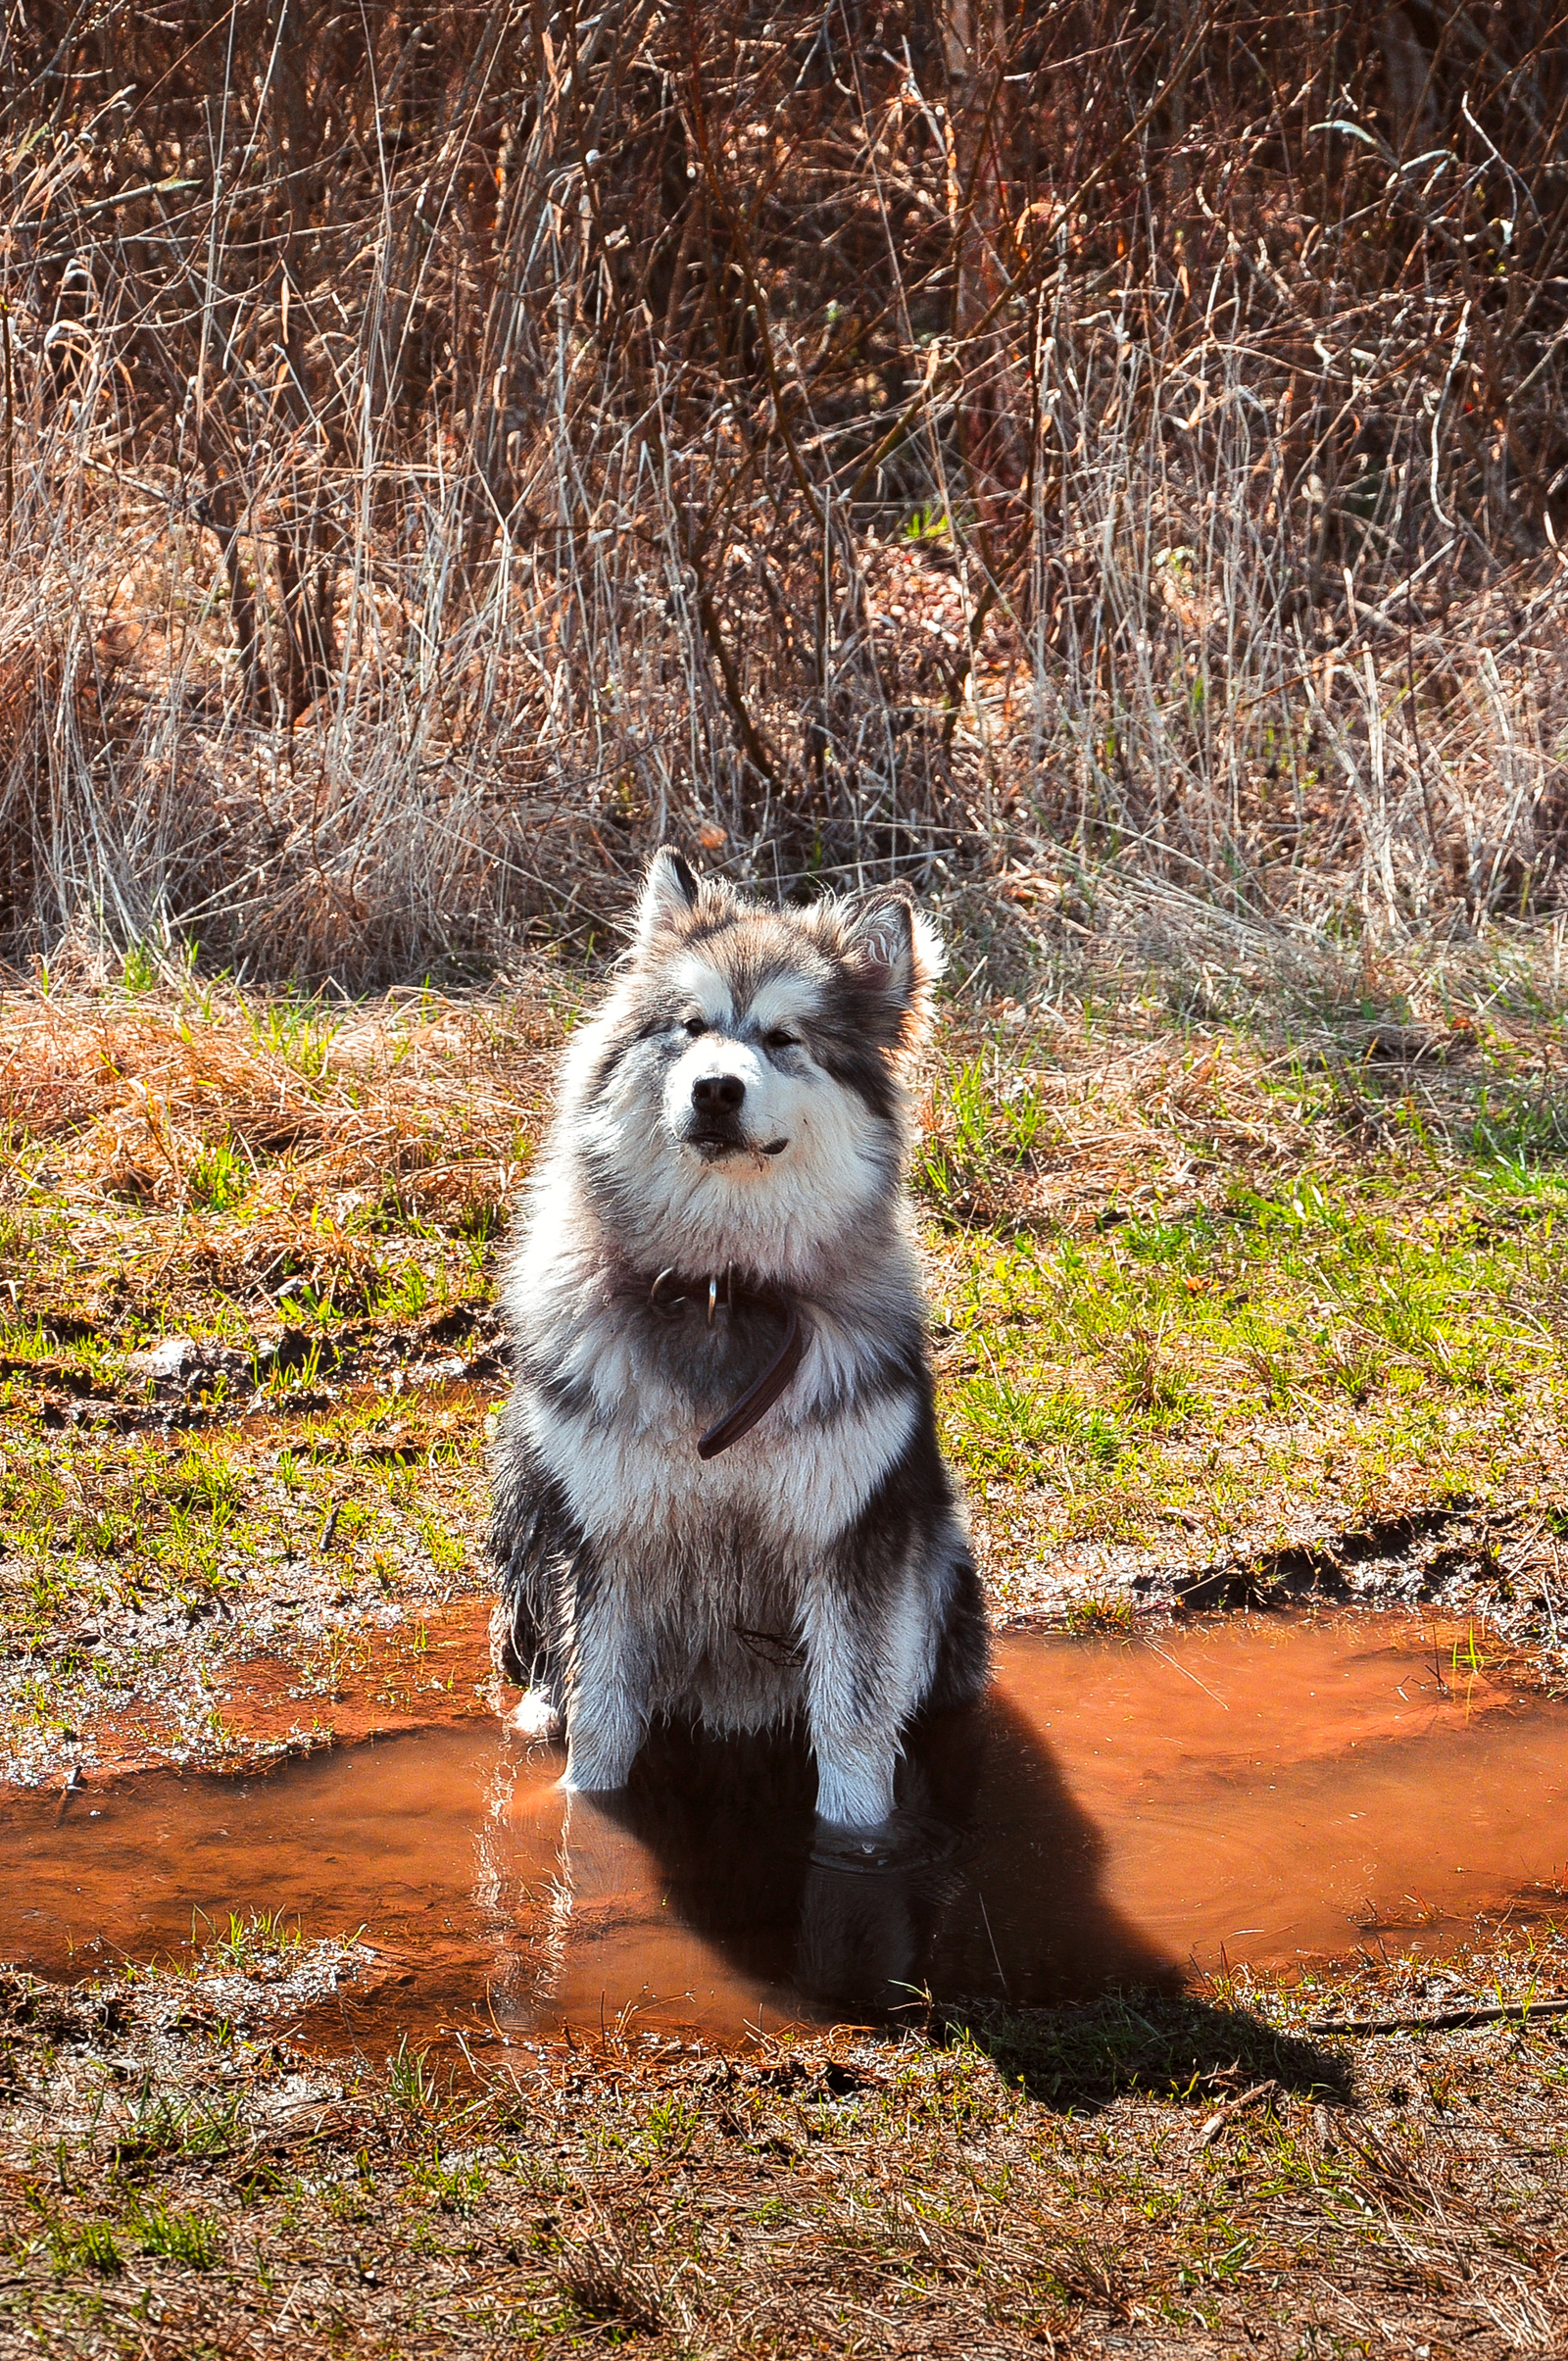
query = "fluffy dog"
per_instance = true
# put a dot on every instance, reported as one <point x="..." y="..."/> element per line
<point x="718" y="1492"/>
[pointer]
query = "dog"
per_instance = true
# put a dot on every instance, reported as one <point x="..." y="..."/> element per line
<point x="718" y="1492"/>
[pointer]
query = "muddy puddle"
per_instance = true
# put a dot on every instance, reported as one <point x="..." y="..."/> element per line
<point x="1118" y="1810"/>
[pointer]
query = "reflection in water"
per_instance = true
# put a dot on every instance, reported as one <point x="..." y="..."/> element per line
<point x="1112" y="1812"/>
<point x="987" y="1884"/>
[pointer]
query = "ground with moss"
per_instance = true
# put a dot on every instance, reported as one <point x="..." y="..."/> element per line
<point x="1221" y="1315"/>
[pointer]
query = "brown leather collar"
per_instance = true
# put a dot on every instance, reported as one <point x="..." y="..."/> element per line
<point x="671" y="1294"/>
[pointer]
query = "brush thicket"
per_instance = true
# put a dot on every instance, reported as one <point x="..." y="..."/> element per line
<point x="1041" y="450"/>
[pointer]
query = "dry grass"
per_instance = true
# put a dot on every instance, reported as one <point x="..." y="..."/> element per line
<point x="1186" y="2176"/>
<point x="330" y="1119"/>
<point x="1084" y="453"/>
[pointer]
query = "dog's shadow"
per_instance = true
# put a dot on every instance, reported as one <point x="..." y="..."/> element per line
<point x="986" y="1886"/>
<point x="983" y="1909"/>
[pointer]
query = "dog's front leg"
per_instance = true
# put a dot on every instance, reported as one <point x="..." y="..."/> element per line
<point x="607" y="1701"/>
<point x="868" y="1664"/>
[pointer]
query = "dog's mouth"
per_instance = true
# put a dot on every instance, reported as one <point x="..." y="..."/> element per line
<point x="715" y="1147"/>
<point x="718" y="1147"/>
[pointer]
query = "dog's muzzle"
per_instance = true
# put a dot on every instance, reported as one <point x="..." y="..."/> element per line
<point x="715" y="1128"/>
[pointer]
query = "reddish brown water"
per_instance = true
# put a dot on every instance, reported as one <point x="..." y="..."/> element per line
<point x="1118" y="1810"/>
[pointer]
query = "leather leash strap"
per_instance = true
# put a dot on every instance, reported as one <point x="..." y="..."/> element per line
<point x="759" y="1397"/>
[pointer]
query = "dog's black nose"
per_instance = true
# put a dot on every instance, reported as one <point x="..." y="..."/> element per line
<point x="718" y="1094"/>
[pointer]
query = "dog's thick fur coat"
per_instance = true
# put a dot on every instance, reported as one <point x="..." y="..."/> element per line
<point x="727" y="1161"/>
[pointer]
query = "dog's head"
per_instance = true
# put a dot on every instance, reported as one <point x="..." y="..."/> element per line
<point x="739" y="1096"/>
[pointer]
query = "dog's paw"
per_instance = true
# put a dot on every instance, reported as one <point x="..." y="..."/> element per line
<point x="537" y="1715"/>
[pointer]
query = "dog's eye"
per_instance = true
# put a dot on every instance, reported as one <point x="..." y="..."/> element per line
<point x="696" y="1025"/>
<point x="778" y="1039"/>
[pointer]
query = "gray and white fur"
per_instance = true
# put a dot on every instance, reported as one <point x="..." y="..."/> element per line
<point x="734" y="1117"/>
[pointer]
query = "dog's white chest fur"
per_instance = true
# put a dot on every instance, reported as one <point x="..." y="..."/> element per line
<point x="631" y="1473"/>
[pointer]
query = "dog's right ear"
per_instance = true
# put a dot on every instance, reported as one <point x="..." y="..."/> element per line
<point x="668" y="894"/>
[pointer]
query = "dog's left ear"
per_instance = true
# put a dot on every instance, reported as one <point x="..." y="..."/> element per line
<point x="668" y="894"/>
<point x="893" y="949"/>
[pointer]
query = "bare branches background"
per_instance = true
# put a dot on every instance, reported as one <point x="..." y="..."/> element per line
<point x="1032" y="449"/>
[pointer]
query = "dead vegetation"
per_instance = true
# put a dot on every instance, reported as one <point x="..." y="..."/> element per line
<point x="346" y="1118"/>
<point x="1189" y="2176"/>
<point x="1080" y="458"/>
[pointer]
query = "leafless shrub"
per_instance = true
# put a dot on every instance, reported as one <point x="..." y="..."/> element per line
<point x="442" y="455"/>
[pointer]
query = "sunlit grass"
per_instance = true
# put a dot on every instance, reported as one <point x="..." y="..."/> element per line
<point x="247" y="1936"/>
<point x="298" y="1028"/>
<point x="1185" y="1301"/>
<point x="1258" y="1341"/>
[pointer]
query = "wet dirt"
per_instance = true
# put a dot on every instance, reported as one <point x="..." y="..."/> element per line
<point x="344" y="1682"/>
<point x="1262" y="1788"/>
<point x="365" y="1682"/>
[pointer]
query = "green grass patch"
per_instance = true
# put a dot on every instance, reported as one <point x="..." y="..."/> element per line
<point x="1365" y="1321"/>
